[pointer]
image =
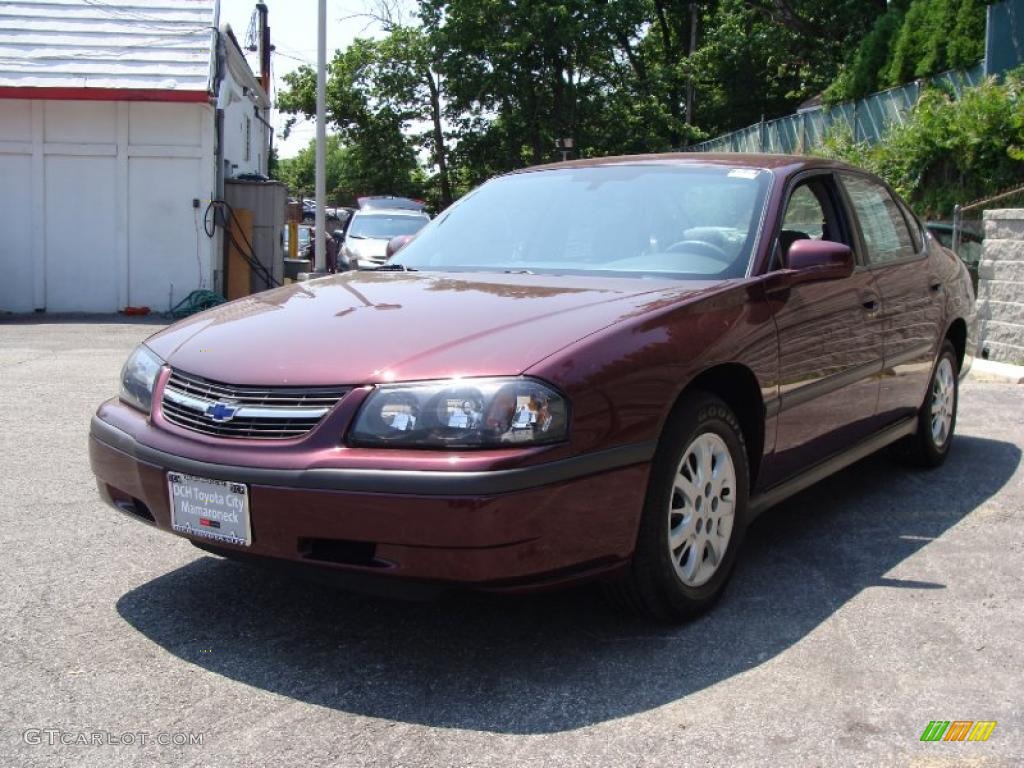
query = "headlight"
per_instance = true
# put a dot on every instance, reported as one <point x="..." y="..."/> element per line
<point x="138" y="377"/>
<point x="462" y="413"/>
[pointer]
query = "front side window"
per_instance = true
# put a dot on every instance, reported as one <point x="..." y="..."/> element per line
<point x="693" y="222"/>
<point x="882" y="224"/>
<point x="804" y="214"/>
<point x="811" y="214"/>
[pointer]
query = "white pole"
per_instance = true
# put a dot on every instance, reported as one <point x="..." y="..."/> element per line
<point x="320" y="262"/>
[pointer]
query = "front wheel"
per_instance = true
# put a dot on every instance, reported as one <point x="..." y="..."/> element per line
<point x="694" y="515"/>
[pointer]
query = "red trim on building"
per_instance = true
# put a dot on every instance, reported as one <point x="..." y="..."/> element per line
<point x="102" y="94"/>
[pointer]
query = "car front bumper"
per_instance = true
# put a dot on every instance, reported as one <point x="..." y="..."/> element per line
<point x="506" y="529"/>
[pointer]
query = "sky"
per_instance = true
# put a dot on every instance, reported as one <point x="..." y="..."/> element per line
<point x="293" y="33"/>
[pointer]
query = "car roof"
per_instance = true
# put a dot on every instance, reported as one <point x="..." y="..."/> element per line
<point x="362" y="212"/>
<point x="391" y="202"/>
<point x="784" y="164"/>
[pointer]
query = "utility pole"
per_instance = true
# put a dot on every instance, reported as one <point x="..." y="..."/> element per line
<point x="320" y="244"/>
<point x="693" y="47"/>
<point x="264" y="48"/>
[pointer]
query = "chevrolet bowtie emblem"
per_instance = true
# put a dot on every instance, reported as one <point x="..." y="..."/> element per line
<point x="221" y="412"/>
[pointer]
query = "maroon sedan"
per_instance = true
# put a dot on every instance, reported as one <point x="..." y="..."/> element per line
<point x="593" y="369"/>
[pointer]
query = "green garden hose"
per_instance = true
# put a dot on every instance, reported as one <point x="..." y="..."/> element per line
<point x="196" y="301"/>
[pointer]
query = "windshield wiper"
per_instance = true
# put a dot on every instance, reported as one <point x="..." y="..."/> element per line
<point x="393" y="268"/>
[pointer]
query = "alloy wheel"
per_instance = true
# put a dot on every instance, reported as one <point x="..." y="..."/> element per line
<point x="943" y="401"/>
<point x="702" y="509"/>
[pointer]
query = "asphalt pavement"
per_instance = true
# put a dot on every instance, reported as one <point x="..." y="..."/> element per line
<point x="862" y="609"/>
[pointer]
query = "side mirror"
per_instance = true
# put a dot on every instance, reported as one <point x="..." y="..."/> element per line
<point x="812" y="260"/>
<point x="395" y="244"/>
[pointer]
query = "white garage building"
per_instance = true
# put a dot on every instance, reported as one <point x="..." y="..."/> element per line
<point x="119" y="122"/>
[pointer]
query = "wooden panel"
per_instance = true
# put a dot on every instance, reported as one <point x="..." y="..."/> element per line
<point x="239" y="273"/>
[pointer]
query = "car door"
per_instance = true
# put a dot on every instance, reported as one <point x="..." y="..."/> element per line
<point x="911" y="294"/>
<point x="829" y="336"/>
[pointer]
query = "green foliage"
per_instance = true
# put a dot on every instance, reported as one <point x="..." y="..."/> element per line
<point x="299" y="172"/>
<point x="910" y="40"/>
<point x="949" y="151"/>
<point x="352" y="170"/>
<point x="860" y="76"/>
<point x="480" y="87"/>
<point x="967" y="43"/>
<point x="272" y="163"/>
<point x="367" y="102"/>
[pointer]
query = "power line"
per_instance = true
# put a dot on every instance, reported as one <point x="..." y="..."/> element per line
<point x="293" y="58"/>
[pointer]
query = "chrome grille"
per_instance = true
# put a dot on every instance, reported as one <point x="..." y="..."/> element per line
<point x="226" y="410"/>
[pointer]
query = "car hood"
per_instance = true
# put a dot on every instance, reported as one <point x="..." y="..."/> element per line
<point x="374" y="327"/>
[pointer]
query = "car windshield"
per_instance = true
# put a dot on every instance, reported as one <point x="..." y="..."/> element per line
<point x="694" y="222"/>
<point x="385" y="227"/>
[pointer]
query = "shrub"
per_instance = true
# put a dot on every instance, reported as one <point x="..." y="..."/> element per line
<point x="949" y="150"/>
<point x="912" y="39"/>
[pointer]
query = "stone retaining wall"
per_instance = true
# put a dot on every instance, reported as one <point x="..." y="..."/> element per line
<point x="1001" y="286"/>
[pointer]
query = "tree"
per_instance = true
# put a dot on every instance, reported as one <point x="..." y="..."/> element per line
<point x="912" y="39"/>
<point x="379" y="158"/>
<point x="466" y="89"/>
<point x="299" y="172"/>
<point x="272" y="163"/>
<point x="949" y="150"/>
<point x="352" y="171"/>
<point x="863" y="73"/>
<point x="406" y="80"/>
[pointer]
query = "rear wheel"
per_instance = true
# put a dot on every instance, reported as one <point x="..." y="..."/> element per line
<point x="694" y="515"/>
<point x="936" y="420"/>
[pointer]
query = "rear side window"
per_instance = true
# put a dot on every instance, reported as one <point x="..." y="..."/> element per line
<point x="915" y="228"/>
<point x="885" y="231"/>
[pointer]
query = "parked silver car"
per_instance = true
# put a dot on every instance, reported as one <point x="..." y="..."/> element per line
<point x="368" y="233"/>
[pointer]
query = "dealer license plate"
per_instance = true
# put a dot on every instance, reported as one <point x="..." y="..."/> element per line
<point x="210" y="509"/>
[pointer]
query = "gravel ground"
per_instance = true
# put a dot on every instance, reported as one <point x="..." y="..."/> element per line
<point x="862" y="609"/>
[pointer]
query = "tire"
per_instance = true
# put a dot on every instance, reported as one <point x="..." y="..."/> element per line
<point x="930" y="446"/>
<point x="671" y="584"/>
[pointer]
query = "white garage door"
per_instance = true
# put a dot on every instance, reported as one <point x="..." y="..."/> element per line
<point x="81" y="236"/>
<point x="16" y="289"/>
<point x="165" y="238"/>
<point x="96" y="203"/>
<point x="17" y="270"/>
